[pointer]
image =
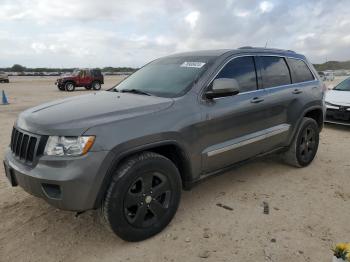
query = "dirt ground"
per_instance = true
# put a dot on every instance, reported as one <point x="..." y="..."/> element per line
<point x="309" y="207"/>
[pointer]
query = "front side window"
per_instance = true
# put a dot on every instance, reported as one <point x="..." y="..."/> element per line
<point x="274" y="71"/>
<point x="242" y="69"/>
<point x="167" y="77"/>
<point x="343" y="86"/>
<point x="299" y="70"/>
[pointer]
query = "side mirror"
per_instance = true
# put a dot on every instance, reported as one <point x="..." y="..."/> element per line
<point x="223" y="87"/>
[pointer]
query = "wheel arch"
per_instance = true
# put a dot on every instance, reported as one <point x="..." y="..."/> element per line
<point x="169" y="149"/>
<point x="314" y="112"/>
<point x="69" y="81"/>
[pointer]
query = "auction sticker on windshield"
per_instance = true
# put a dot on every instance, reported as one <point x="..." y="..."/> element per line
<point x="193" y="64"/>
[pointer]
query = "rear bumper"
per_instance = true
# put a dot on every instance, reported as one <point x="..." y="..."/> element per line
<point x="69" y="184"/>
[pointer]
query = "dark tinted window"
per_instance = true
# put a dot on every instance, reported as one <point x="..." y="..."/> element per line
<point x="243" y="70"/>
<point x="299" y="70"/>
<point x="274" y="71"/>
<point x="96" y="72"/>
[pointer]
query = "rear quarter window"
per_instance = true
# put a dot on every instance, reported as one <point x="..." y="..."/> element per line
<point x="274" y="71"/>
<point x="299" y="70"/>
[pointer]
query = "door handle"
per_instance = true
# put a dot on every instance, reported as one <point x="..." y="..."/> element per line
<point x="297" y="91"/>
<point x="256" y="100"/>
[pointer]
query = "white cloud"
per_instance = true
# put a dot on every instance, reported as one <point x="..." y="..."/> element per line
<point x="266" y="6"/>
<point x="242" y="13"/>
<point x="131" y="33"/>
<point x="192" y="18"/>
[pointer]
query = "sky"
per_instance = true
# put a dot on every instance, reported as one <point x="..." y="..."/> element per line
<point x="90" y="33"/>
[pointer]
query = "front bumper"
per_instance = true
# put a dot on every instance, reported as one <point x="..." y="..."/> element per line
<point x="66" y="183"/>
<point x="340" y="115"/>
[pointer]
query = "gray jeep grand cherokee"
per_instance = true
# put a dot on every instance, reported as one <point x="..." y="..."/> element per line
<point x="130" y="150"/>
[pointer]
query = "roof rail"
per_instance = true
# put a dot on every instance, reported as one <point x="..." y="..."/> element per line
<point x="267" y="48"/>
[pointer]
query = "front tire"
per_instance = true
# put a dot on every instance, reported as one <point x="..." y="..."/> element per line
<point x="69" y="86"/>
<point x="143" y="196"/>
<point x="304" y="145"/>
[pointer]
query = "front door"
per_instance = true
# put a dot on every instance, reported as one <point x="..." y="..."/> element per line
<point x="234" y="127"/>
<point x="85" y="78"/>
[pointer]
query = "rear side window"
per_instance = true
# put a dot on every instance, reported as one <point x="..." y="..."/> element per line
<point x="96" y="73"/>
<point x="299" y="70"/>
<point x="274" y="71"/>
<point x="243" y="70"/>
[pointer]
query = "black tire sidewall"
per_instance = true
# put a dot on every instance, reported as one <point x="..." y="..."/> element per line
<point x="307" y="123"/>
<point x="115" y="208"/>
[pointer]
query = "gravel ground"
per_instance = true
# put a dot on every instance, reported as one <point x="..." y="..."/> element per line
<point x="222" y="219"/>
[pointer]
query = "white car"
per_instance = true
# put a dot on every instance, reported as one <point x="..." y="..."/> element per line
<point x="338" y="103"/>
<point x="4" y="77"/>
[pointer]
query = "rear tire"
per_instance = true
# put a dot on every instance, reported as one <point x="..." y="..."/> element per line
<point x="96" y="85"/>
<point x="69" y="86"/>
<point x="143" y="196"/>
<point x="304" y="145"/>
<point x="7" y="81"/>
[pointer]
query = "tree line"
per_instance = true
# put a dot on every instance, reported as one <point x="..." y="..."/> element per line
<point x="21" y="69"/>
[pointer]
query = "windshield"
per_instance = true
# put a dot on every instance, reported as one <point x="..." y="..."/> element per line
<point x="166" y="77"/>
<point x="343" y="86"/>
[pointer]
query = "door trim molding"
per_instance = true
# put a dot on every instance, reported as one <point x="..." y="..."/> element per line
<point x="246" y="140"/>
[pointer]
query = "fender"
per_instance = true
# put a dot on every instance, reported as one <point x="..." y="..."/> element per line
<point x="117" y="154"/>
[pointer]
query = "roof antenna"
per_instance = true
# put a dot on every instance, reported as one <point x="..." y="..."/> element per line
<point x="266" y="44"/>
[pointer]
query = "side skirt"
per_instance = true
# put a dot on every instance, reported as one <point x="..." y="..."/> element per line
<point x="205" y="176"/>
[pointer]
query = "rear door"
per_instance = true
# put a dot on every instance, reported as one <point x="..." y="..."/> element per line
<point x="282" y="97"/>
<point x="306" y="90"/>
<point x="234" y="126"/>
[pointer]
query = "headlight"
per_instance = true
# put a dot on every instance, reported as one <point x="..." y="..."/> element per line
<point x="68" y="146"/>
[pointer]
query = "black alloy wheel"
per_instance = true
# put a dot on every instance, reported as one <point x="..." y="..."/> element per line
<point x="307" y="144"/>
<point x="147" y="200"/>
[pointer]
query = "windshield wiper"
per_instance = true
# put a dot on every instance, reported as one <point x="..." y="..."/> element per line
<point x="134" y="91"/>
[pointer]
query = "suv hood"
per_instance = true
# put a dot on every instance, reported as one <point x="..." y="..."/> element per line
<point x="73" y="116"/>
<point x="336" y="97"/>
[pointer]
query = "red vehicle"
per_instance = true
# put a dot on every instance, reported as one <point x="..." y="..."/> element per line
<point x="88" y="78"/>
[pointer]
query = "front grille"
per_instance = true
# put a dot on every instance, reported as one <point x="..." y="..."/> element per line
<point x="26" y="146"/>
